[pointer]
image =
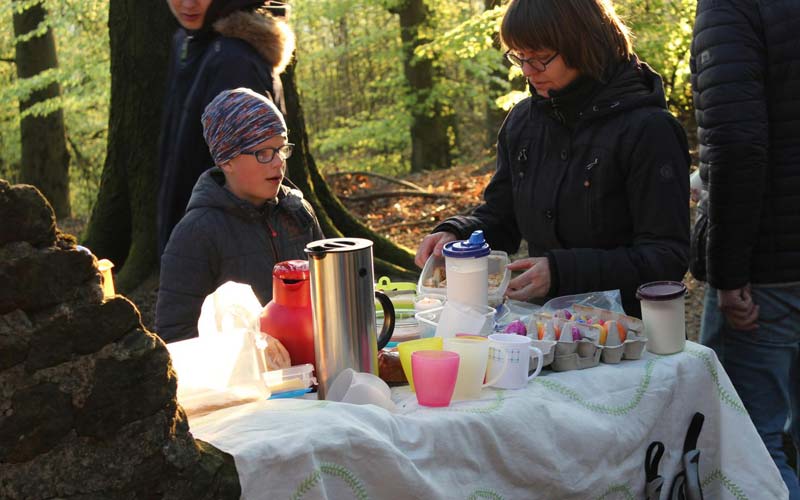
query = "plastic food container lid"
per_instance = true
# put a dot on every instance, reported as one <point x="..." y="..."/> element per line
<point x="661" y="290"/>
<point x="474" y="247"/>
<point x="294" y="378"/>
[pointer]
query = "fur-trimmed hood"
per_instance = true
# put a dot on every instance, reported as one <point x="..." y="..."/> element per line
<point x="271" y="36"/>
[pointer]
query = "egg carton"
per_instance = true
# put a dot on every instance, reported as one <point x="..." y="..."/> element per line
<point x="585" y="341"/>
<point x="548" y="348"/>
<point x="576" y="355"/>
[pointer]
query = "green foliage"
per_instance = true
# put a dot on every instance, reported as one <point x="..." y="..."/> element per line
<point x="350" y="73"/>
<point x="663" y="35"/>
<point x="81" y="33"/>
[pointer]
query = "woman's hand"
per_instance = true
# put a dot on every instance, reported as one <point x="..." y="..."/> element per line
<point x="432" y="244"/>
<point x="535" y="282"/>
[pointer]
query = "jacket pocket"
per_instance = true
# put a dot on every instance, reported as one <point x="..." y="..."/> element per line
<point x="697" y="249"/>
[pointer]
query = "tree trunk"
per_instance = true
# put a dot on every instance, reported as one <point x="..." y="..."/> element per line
<point x="45" y="160"/>
<point x="336" y="221"/>
<point x="494" y="114"/>
<point x="430" y="144"/>
<point x="122" y="225"/>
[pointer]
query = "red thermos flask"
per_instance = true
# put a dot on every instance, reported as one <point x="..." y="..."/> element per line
<point x="287" y="317"/>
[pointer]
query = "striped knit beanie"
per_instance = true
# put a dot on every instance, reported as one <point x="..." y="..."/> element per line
<point x="238" y="120"/>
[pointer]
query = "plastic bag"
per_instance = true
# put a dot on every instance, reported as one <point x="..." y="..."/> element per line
<point x="222" y="367"/>
<point x="610" y="300"/>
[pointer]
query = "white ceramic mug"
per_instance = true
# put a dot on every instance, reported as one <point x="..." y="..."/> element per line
<point x="517" y="349"/>
<point x="360" y="388"/>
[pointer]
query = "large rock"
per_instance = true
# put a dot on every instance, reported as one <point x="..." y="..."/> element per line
<point x="87" y="394"/>
<point x="26" y="215"/>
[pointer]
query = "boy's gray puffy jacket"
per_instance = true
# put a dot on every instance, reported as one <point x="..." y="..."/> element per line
<point x="223" y="238"/>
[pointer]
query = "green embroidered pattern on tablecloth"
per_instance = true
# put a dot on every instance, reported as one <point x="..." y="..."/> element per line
<point x="728" y="398"/>
<point x="485" y="493"/>
<point x="623" y="489"/>
<point x="315" y="406"/>
<point x="499" y="399"/>
<point x="598" y="408"/>
<point x="729" y="485"/>
<point x="330" y="469"/>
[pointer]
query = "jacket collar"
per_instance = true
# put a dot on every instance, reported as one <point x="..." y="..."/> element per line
<point x="270" y="36"/>
<point x="629" y="85"/>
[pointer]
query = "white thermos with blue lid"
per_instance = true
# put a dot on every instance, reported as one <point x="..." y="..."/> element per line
<point x="467" y="271"/>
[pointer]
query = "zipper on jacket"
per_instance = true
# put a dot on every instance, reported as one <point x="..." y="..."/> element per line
<point x="587" y="181"/>
<point x="185" y="48"/>
<point x="273" y="234"/>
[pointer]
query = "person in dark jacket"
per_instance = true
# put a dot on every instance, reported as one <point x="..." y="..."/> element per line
<point x="745" y="67"/>
<point x="592" y="170"/>
<point x="221" y="44"/>
<point x="241" y="219"/>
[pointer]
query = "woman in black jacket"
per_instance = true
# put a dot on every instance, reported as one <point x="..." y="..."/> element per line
<point x="592" y="170"/>
<point x="221" y="45"/>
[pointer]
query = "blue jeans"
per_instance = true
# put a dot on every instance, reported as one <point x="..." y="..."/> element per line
<point x="764" y="366"/>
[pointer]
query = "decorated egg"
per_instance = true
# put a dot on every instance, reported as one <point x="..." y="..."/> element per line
<point x="613" y="338"/>
<point x="517" y="327"/>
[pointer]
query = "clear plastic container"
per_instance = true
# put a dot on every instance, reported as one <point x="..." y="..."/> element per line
<point x="432" y="280"/>
<point x="429" y="320"/>
<point x="294" y="378"/>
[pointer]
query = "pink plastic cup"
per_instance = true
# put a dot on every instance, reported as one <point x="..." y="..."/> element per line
<point x="435" y="375"/>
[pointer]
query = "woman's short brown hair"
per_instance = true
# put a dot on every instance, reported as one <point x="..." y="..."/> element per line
<point x="587" y="33"/>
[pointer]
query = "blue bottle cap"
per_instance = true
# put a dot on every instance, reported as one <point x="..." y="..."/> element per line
<point x="474" y="247"/>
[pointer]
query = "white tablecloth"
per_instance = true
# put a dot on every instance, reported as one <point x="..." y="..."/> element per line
<point x="572" y="435"/>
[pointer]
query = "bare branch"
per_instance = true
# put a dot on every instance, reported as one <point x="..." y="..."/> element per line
<point x="415" y="223"/>
<point x="380" y="176"/>
<point x="397" y="194"/>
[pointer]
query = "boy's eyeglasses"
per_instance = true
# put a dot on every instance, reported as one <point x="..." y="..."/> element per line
<point x="266" y="155"/>
<point x="536" y="64"/>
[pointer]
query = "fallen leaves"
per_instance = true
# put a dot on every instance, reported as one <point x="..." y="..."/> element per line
<point x="407" y="219"/>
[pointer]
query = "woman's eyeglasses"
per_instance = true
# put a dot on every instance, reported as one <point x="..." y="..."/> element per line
<point x="536" y="64"/>
<point x="266" y="155"/>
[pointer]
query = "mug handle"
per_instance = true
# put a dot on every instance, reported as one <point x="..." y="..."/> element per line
<point x="540" y="359"/>
<point x="502" y="370"/>
<point x="388" y="319"/>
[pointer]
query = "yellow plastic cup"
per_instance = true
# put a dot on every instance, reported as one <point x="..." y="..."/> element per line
<point x="406" y="348"/>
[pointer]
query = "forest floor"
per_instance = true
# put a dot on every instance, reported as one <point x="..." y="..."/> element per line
<point x="405" y="219"/>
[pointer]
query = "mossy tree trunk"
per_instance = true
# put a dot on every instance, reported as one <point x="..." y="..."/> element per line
<point x="430" y="143"/>
<point x="45" y="159"/>
<point x="390" y="259"/>
<point x="122" y="225"/>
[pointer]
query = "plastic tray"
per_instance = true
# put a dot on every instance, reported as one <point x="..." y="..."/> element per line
<point x="498" y="260"/>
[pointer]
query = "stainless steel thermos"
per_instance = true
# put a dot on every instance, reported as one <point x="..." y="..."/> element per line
<point x="343" y="308"/>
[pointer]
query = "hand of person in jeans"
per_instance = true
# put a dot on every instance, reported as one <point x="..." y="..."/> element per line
<point x="739" y="308"/>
